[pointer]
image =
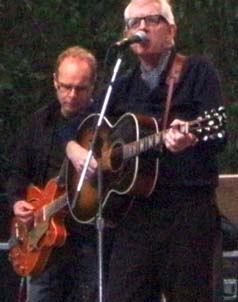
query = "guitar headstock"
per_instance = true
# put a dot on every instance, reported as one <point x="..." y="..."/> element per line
<point x="210" y="125"/>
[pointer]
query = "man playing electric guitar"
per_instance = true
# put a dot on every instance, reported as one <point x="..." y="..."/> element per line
<point x="70" y="272"/>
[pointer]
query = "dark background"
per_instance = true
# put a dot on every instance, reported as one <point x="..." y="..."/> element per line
<point x="32" y="33"/>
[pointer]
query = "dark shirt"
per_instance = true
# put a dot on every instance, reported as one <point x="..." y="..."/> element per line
<point x="198" y="90"/>
<point x="40" y="152"/>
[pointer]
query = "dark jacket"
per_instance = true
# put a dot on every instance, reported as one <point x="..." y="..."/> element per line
<point x="198" y="90"/>
<point x="31" y="156"/>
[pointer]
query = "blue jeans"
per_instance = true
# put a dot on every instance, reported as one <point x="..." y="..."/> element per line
<point x="70" y="274"/>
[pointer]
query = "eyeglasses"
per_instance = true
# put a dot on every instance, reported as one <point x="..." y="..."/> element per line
<point x="150" y="20"/>
<point x="67" y="88"/>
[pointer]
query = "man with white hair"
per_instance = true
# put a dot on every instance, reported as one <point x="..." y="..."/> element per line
<point x="168" y="241"/>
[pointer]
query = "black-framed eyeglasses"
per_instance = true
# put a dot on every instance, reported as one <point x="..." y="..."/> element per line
<point x="67" y="88"/>
<point x="150" y="20"/>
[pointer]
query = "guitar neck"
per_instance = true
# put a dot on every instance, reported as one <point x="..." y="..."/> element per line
<point x="207" y="127"/>
<point x="142" y="145"/>
<point x="55" y="206"/>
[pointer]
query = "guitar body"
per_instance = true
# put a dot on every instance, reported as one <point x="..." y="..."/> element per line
<point x="128" y="161"/>
<point x="31" y="244"/>
<point x="122" y="173"/>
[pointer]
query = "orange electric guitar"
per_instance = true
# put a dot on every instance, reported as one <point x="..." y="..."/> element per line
<point x="31" y="244"/>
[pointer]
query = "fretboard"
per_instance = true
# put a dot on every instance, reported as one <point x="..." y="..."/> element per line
<point x="142" y="145"/>
<point x="55" y="206"/>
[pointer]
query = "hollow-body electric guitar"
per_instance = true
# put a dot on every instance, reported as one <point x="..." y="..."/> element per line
<point x="120" y="150"/>
<point x="32" y="243"/>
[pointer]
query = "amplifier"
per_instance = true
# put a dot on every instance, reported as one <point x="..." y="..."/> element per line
<point x="227" y="197"/>
<point x="230" y="276"/>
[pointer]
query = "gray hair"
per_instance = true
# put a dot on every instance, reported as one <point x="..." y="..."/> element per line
<point x="166" y="9"/>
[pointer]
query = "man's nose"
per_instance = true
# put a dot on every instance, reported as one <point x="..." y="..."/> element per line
<point x="142" y="24"/>
<point x="73" y="92"/>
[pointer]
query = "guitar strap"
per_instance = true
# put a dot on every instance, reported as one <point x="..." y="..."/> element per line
<point x="172" y="78"/>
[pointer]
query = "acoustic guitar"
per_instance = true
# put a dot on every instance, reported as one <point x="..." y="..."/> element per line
<point x="121" y="152"/>
<point x="31" y="244"/>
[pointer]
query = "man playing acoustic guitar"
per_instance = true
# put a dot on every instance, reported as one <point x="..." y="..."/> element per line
<point x="169" y="240"/>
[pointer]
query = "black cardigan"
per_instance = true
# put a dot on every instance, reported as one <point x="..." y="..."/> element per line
<point x="198" y="90"/>
<point x="31" y="155"/>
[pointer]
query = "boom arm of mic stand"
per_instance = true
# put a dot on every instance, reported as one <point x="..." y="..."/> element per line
<point x="99" y="122"/>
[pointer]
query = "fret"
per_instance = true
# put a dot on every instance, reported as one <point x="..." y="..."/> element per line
<point x="144" y="144"/>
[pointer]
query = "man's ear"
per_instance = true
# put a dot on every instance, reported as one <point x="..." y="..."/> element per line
<point x="173" y="30"/>
<point x="55" y="80"/>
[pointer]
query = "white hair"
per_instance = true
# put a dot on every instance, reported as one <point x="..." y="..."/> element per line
<point x="165" y="7"/>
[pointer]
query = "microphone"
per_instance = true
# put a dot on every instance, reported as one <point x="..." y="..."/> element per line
<point x="138" y="37"/>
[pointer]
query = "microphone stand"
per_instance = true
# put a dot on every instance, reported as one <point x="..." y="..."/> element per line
<point x="99" y="216"/>
<point x="100" y="230"/>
